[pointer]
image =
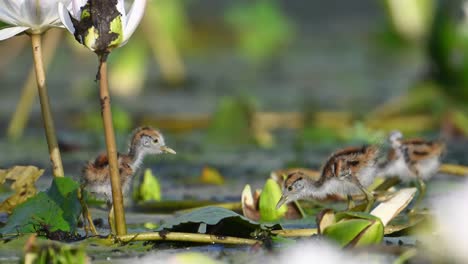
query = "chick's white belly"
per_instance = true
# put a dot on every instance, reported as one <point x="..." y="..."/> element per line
<point x="336" y="186"/>
<point x="366" y="176"/>
<point x="427" y="168"/>
<point x="400" y="169"/>
<point x="104" y="190"/>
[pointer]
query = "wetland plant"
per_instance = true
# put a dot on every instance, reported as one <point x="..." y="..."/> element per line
<point x="34" y="18"/>
<point x="102" y="26"/>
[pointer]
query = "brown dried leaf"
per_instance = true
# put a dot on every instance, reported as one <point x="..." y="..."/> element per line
<point x="23" y="179"/>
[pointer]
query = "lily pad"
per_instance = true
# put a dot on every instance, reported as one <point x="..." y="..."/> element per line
<point x="215" y="220"/>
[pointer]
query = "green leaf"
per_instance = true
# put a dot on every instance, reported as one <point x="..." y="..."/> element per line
<point x="63" y="192"/>
<point x="214" y="220"/>
<point x="37" y="212"/>
<point x="56" y="209"/>
<point x="149" y="188"/>
<point x="269" y="197"/>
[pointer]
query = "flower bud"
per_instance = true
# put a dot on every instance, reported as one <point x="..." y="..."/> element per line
<point x="270" y="195"/>
<point x="100" y="26"/>
<point x="353" y="229"/>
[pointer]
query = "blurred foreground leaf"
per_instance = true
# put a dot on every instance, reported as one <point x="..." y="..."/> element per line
<point x="23" y="179"/>
<point x="57" y="209"/>
<point x="191" y="258"/>
<point x="45" y="252"/>
<point x="216" y="221"/>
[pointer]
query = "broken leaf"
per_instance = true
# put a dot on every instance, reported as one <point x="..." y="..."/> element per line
<point x="23" y="178"/>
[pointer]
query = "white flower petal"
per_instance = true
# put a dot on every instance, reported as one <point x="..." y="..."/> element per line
<point x="133" y="19"/>
<point x="77" y="5"/>
<point x="121" y="9"/>
<point x="65" y="18"/>
<point x="11" y="31"/>
<point x="9" y="12"/>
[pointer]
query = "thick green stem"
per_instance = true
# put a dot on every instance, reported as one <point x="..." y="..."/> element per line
<point x="186" y="237"/>
<point x="28" y="93"/>
<point x="54" y="151"/>
<point x="117" y="197"/>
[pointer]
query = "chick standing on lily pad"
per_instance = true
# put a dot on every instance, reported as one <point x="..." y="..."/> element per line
<point x="96" y="177"/>
<point x="346" y="172"/>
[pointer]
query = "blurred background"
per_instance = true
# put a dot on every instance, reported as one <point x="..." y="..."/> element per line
<point x="247" y="87"/>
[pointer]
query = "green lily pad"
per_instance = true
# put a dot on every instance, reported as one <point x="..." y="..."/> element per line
<point x="214" y="220"/>
<point x="57" y="209"/>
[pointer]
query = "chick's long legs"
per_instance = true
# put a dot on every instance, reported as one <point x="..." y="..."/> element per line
<point x="111" y="218"/>
<point x="369" y="196"/>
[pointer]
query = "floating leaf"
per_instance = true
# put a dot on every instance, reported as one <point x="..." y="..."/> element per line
<point x="54" y="210"/>
<point x="211" y="175"/>
<point x="150" y="188"/>
<point x="23" y="178"/>
<point x="214" y="220"/>
<point x="269" y="197"/>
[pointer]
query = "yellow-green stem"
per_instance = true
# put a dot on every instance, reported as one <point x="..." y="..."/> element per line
<point x="28" y="93"/>
<point x="117" y="197"/>
<point x="186" y="237"/>
<point x="54" y="152"/>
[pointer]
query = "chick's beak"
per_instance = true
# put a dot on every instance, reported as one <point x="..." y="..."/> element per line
<point x="167" y="150"/>
<point x="284" y="199"/>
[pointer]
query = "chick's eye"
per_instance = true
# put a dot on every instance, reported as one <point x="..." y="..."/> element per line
<point x="155" y="140"/>
<point x="290" y="188"/>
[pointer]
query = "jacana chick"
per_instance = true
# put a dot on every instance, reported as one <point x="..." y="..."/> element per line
<point x="412" y="159"/>
<point x="96" y="177"/>
<point x="346" y="172"/>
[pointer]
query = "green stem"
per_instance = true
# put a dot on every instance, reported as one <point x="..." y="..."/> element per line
<point x="28" y="93"/>
<point x="186" y="237"/>
<point x="54" y="151"/>
<point x="306" y="232"/>
<point x="117" y="197"/>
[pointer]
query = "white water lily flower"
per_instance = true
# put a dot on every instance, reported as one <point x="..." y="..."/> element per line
<point x="129" y="21"/>
<point x="31" y="16"/>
